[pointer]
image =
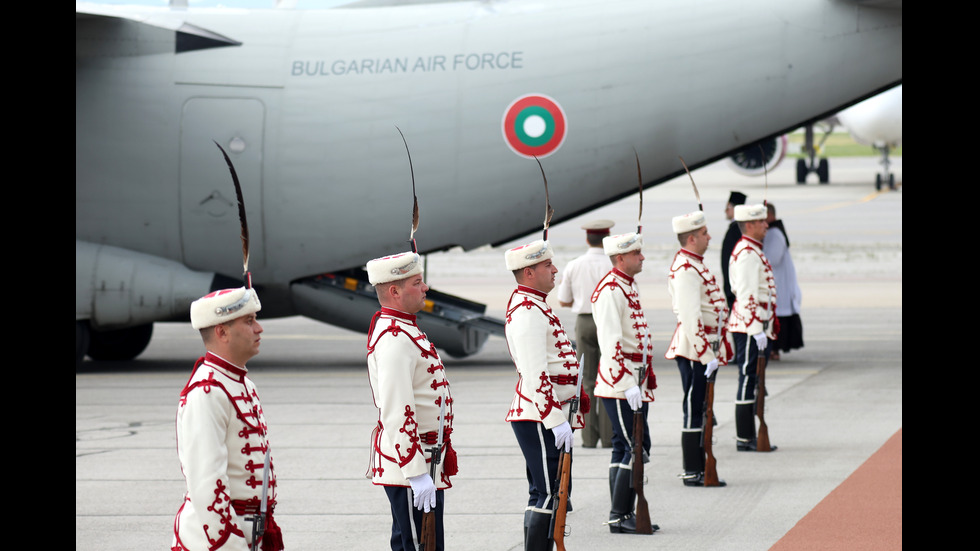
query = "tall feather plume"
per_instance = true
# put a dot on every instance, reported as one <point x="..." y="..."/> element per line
<point x="765" y="167"/>
<point x="415" y="198"/>
<point x="241" y="217"/>
<point x="548" y="211"/>
<point x="695" y="186"/>
<point x="639" y="178"/>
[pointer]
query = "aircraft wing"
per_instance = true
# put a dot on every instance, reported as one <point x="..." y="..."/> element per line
<point x="134" y="28"/>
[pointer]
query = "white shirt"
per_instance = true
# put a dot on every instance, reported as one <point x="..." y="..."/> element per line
<point x="580" y="278"/>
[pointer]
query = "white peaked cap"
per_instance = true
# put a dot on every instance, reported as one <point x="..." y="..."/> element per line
<point x="688" y="222"/>
<point x="528" y="255"/>
<point x="745" y="213"/>
<point x="392" y="268"/>
<point x="223" y="306"/>
<point x="622" y="243"/>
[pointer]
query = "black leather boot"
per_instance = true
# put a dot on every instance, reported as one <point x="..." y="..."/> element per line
<point x="538" y="537"/>
<point x="693" y="456"/>
<point x="621" y="519"/>
<point x="745" y="427"/>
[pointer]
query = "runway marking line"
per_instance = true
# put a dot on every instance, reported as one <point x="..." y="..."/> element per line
<point x="864" y="199"/>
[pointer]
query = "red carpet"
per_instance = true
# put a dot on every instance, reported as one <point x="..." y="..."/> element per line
<point x="863" y="513"/>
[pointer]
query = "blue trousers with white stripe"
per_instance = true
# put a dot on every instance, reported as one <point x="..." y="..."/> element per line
<point x="406" y="520"/>
<point x="694" y="384"/>
<point x="747" y="359"/>
<point x="541" y="460"/>
<point x="621" y="415"/>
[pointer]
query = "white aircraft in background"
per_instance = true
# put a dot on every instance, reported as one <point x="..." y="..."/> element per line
<point x="306" y="103"/>
<point x="876" y="122"/>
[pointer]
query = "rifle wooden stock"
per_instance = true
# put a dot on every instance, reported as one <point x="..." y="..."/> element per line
<point x="561" y="508"/>
<point x="710" y="464"/>
<point x="762" y="441"/>
<point x="643" y="525"/>
<point x="428" y="542"/>
<point x="428" y="531"/>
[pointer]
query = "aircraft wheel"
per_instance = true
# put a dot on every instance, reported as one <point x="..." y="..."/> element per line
<point x="891" y="181"/>
<point x="823" y="171"/>
<point x="82" y="338"/>
<point x="121" y="344"/>
<point x="801" y="171"/>
<point x="877" y="182"/>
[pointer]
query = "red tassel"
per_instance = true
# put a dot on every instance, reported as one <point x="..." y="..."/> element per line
<point x="272" y="538"/>
<point x="450" y="467"/>
<point x="585" y="404"/>
<point x="652" y="380"/>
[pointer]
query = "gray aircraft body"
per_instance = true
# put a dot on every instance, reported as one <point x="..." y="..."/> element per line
<point x="306" y="103"/>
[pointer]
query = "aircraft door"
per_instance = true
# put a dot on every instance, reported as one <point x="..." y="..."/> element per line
<point x="210" y="225"/>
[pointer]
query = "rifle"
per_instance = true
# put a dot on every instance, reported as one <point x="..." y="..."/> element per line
<point x="643" y="525"/>
<point x="564" y="479"/>
<point x="762" y="441"/>
<point x="435" y="454"/>
<point x="258" y="520"/>
<point x="710" y="464"/>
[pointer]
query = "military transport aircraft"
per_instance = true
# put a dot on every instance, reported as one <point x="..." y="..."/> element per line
<point x="308" y="104"/>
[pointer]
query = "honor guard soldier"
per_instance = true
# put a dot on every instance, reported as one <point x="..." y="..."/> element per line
<point x="731" y="238"/>
<point x="414" y="403"/>
<point x="625" y="347"/>
<point x="548" y="374"/>
<point x="222" y="436"/>
<point x="701" y="311"/>
<point x="754" y="309"/>
<point x="578" y="280"/>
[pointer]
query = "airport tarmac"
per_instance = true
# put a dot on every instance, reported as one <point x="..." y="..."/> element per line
<point x="831" y="405"/>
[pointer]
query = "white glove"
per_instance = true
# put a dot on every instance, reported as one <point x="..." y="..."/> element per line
<point x="761" y="341"/>
<point x="563" y="436"/>
<point x="634" y="397"/>
<point x="425" y="492"/>
<point x="711" y="367"/>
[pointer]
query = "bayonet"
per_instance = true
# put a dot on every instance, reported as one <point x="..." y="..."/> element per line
<point x="259" y="520"/>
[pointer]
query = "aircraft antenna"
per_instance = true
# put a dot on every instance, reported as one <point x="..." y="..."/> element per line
<point x="415" y="198"/>
<point x="639" y="178"/>
<point x="695" y="186"/>
<point x="548" y="211"/>
<point x="241" y="217"/>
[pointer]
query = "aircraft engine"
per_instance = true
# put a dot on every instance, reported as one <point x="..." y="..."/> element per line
<point x="762" y="156"/>
<point x="120" y="293"/>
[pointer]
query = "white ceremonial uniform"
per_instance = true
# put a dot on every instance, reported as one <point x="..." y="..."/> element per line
<point x="622" y="327"/>
<point x="221" y="442"/>
<point x="754" y="288"/>
<point x="697" y="302"/>
<point x="409" y="385"/>
<point x="546" y="363"/>
<point x="580" y="277"/>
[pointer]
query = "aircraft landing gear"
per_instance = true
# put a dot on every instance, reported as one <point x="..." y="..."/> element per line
<point x="885" y="175"/>
<point x="821" y="167"/>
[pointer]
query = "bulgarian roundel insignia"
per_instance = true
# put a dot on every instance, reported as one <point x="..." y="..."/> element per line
<point x="534" y="126"/>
